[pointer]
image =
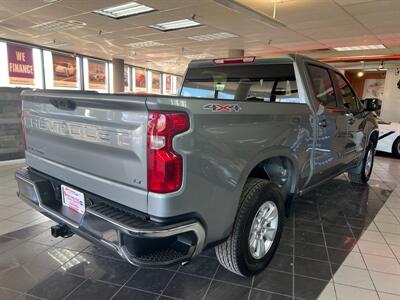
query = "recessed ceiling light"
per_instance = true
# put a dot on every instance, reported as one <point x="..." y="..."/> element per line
<point x="212" y="36"/>
<point x="146" y="44"/>
<point x="59" y="25"/>
<point x="363" y="47"/>
<point x="175" y="25"/>
<point x="124" y="10"/>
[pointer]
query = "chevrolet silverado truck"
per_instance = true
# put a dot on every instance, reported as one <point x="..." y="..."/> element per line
<point x="158" y="179"/>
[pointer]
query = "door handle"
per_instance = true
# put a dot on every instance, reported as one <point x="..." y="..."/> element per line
<point x="323" y="123"/>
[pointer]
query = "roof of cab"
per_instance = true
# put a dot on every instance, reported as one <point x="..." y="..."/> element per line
<point x="274" y="60"/>
<point x="287" y="59"/>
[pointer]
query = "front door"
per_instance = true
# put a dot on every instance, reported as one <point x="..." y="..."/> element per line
<point x="356" y="138"/>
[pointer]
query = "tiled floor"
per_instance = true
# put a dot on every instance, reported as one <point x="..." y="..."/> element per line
<point x="372" y="270"/>
<point x="341" y="242"/>
<point x="14" y="214"/>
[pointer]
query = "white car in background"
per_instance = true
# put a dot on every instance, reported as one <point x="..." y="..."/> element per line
<point x="389" y="137"/>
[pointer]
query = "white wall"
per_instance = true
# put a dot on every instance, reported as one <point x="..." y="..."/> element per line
<point x="391" y="97"/>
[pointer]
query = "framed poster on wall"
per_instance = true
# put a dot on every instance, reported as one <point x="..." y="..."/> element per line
<point x="140" y="80"/>
<point x="64" y="71"/>
<point x="155" y="82"/>
<point x="373" y="88"/>
<point x="97" y="74"/>
<point x="168" y="84"/>
<point x="178" y="83"/>
<point x="20" y="65"/>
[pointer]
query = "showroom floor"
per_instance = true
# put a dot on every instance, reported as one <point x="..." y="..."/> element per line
<point x="341" y="242"/>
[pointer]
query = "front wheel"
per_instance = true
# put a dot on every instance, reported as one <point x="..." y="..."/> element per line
<point x="362" y="175"/>
<point x="256" y="231"/>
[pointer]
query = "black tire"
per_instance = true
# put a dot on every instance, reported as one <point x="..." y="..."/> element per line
<point x="361" y="176"/>
<point x="396" y="148"/>
<point x="234" y="253"/>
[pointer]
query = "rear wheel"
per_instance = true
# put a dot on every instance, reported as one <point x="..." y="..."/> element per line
<point x="396" y="148"/>
<point x="257" y="229"/>
<point x="362" y="175"/>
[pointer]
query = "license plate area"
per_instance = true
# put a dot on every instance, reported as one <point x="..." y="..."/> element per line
<point x="73" y="199"/>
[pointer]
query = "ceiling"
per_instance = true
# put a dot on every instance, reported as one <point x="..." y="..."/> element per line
<point x="313" y="27"/>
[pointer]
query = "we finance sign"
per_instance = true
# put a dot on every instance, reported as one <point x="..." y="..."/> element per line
<point x="20" y="65"/>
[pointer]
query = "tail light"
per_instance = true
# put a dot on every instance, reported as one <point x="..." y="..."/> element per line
<point x="22" y="120"/>
<point x="164" y="165"/>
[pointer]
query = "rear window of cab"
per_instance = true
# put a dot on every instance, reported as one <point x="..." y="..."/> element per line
<point x="263" y="82"/>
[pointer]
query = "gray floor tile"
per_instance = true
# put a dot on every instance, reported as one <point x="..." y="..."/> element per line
<point x="334" y="215"/>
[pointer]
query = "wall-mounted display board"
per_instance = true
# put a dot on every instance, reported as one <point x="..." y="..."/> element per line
<point x="155" y="82"/>
<point x="140" y="80"/>
<point x="64" y="71"/>
<point x="97" y="74"/>
<point x="20" y="65"/>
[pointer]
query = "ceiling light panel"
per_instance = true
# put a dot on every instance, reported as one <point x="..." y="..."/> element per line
<point x="213" y="36"/>
<point x="175" y="25"/>
<point x="198" y="56"/>
<point x="124" y="10"/>
<point x="358" y="48"/>
<point x="146" y="44"/>
<point x="59" y="26"/>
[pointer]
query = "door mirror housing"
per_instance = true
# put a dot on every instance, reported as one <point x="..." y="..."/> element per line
<point x="372" y="104"/>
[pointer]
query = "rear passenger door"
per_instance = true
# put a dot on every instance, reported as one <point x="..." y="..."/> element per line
<point x="331" y="128"/>
<point x="354" y="119"/>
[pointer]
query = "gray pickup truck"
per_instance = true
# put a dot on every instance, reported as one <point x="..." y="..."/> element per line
<point x="158" y="179"/>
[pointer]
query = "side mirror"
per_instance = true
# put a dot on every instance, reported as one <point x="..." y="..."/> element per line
<point x="372" y="104"/>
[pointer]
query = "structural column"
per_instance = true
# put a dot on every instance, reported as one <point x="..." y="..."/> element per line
<point x="236" y="52"/>
<point x="118" y="75"/>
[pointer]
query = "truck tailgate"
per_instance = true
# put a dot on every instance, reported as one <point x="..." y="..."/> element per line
<point x="93" y="141"/>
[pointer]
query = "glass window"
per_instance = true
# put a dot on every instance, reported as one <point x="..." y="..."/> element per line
<point x="322" y="85"/>
<point x="267" y="83"/>
<point x="348" y="96"/>
<point x="127" y="78"/>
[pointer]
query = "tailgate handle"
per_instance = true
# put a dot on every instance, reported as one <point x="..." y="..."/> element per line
<point x="64" y="104"/>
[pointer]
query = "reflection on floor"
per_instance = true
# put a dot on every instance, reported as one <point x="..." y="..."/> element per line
<point x="319" y="240"/>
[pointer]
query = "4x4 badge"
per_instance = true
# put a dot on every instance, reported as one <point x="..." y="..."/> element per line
<point x="222" y="107"/>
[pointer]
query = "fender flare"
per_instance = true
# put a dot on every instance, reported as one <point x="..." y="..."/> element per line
<point x="270" y="153"/>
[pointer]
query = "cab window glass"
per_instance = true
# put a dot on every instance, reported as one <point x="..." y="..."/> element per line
<point x="348" y="96"/>
<point x="263" y="82"/>
<point x="322" y="85"/>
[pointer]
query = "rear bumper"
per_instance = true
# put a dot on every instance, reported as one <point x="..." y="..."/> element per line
<point x="134" y="237"/>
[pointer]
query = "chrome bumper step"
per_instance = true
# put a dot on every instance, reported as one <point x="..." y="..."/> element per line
<point x="135" y="237"/>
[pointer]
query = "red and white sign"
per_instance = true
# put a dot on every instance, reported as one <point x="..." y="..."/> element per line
<point x="73" y="199"/>
<point x="20" y="65"/>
